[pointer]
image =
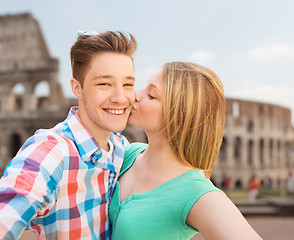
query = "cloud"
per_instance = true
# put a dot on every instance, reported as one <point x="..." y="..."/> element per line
<point x="143" y="75"/>
<point x="202" y="56"/>
<point x="279" y="95"/>
<point x="266" y="52"/>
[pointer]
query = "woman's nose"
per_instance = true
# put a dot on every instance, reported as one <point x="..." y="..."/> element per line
<point x="138" y="96"/>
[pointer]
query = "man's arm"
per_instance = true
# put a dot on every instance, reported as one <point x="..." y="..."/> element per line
<point x="28" y="187"/>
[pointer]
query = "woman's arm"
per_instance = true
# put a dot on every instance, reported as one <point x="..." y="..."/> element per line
<point x="216" y="217"/>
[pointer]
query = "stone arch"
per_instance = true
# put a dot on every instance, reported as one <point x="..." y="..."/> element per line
<point x="237" y="149"/>
<point x="15" y="144"/>
<point x="279" y="182"/>
<point x="238" y="184"/>
<point x="271" y="152"/>
<point x="261" y="152"/>
<point x="236" y="110"/>
<point x="261" y="109"/>
<point x="42" y="89"/>
<point x="250" y="126"/>
<point x="287" y="154"/>
<point x="16" y="97"/>
<point x="1" y="96"/>
<point x="250" y="152"/>
<point x="223" y="150"/>
<point x="279" y="153"/>
<point x="292" y="154"/>
<point x="261" y="115"/>
<point x="42" y="92"/>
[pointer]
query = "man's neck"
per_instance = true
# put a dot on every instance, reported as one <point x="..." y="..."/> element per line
<point x="100" y="135"/>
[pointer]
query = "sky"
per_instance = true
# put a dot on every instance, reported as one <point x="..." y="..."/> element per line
<point x="249" y="44"/>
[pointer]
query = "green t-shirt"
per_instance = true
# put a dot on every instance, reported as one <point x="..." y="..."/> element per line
<point x="161" y="212"/>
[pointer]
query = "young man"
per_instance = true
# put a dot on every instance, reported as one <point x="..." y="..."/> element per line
<point x="61" y="181"/>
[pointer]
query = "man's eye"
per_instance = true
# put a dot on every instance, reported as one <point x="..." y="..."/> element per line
<point x="103" y="84"/>
<point x="129" y="85"/>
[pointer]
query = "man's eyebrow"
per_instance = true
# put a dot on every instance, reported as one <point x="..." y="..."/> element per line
<point x="130" y="78"/>
<point x="102" y="76"/>
<point x="107" y="76"/>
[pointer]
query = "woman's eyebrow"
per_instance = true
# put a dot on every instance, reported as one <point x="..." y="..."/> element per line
<point x="151" y="85"/>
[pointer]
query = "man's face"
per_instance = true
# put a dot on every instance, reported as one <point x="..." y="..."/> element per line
<point x="107" y="96"/>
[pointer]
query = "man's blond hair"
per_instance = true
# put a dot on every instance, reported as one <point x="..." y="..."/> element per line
<point x="88" y="46"/>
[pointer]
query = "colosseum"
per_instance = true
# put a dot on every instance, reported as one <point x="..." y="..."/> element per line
<point x="258" y="138"/>
<point x="25" y="67"/>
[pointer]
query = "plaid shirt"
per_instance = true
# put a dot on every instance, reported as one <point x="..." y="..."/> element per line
<point x="60" y="184"/>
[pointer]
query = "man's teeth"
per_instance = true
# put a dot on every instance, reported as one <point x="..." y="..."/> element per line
<point x="115" y="111"/>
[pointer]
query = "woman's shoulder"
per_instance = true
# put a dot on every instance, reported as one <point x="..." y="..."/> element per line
<point x="196" y="184"/>
<point x="189" y="189"/>
<point x="131" y="152"/>
<point x="135" y="147"/>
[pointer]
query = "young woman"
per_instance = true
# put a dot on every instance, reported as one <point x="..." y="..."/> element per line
<point x="164" y="191"/>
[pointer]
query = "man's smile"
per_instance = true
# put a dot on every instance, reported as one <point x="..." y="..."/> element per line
<point x="115" y="111"/>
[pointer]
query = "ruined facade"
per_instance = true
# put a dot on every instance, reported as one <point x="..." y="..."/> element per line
<point x="26" y="68"/>
<point x="258" y="140"/>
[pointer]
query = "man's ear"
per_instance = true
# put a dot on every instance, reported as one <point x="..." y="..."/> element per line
<point x="76" y="88"/>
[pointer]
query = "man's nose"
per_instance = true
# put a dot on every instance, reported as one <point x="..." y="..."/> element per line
<point x="118" y="95"/>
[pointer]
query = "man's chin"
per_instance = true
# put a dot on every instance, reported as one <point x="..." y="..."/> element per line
<point x="132" y="123"/>
<point x="119" y="129"/>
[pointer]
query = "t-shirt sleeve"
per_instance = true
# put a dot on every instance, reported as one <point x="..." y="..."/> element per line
<point x="189" y="195"/>
<point x="131" y="152"/>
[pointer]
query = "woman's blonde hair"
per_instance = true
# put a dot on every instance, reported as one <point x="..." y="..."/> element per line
<point x="194" y="113"/>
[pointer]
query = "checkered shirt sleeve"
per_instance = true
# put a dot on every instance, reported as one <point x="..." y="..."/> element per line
<point x="53" y="187"/>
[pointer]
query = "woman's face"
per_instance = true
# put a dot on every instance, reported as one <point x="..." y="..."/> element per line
<point x="147" y="110"/>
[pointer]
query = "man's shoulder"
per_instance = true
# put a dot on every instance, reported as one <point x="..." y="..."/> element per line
<point x="50" y="135"/>
<point x="46" y="138"/>
<point x="45" y="148"/>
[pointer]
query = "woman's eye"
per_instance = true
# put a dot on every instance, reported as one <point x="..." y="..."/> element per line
<point x="150" y="96"/>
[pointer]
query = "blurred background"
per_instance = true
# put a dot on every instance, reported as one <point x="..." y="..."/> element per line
<point x="250" y="45"/>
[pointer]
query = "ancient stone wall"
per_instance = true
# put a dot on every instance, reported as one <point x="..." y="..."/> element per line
<point x="258" y="140"/>
<point x="30" y="94"/>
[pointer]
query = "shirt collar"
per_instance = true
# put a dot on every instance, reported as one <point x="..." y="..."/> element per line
<point x="87" y="145"/>
<point x="85" y="142"/>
